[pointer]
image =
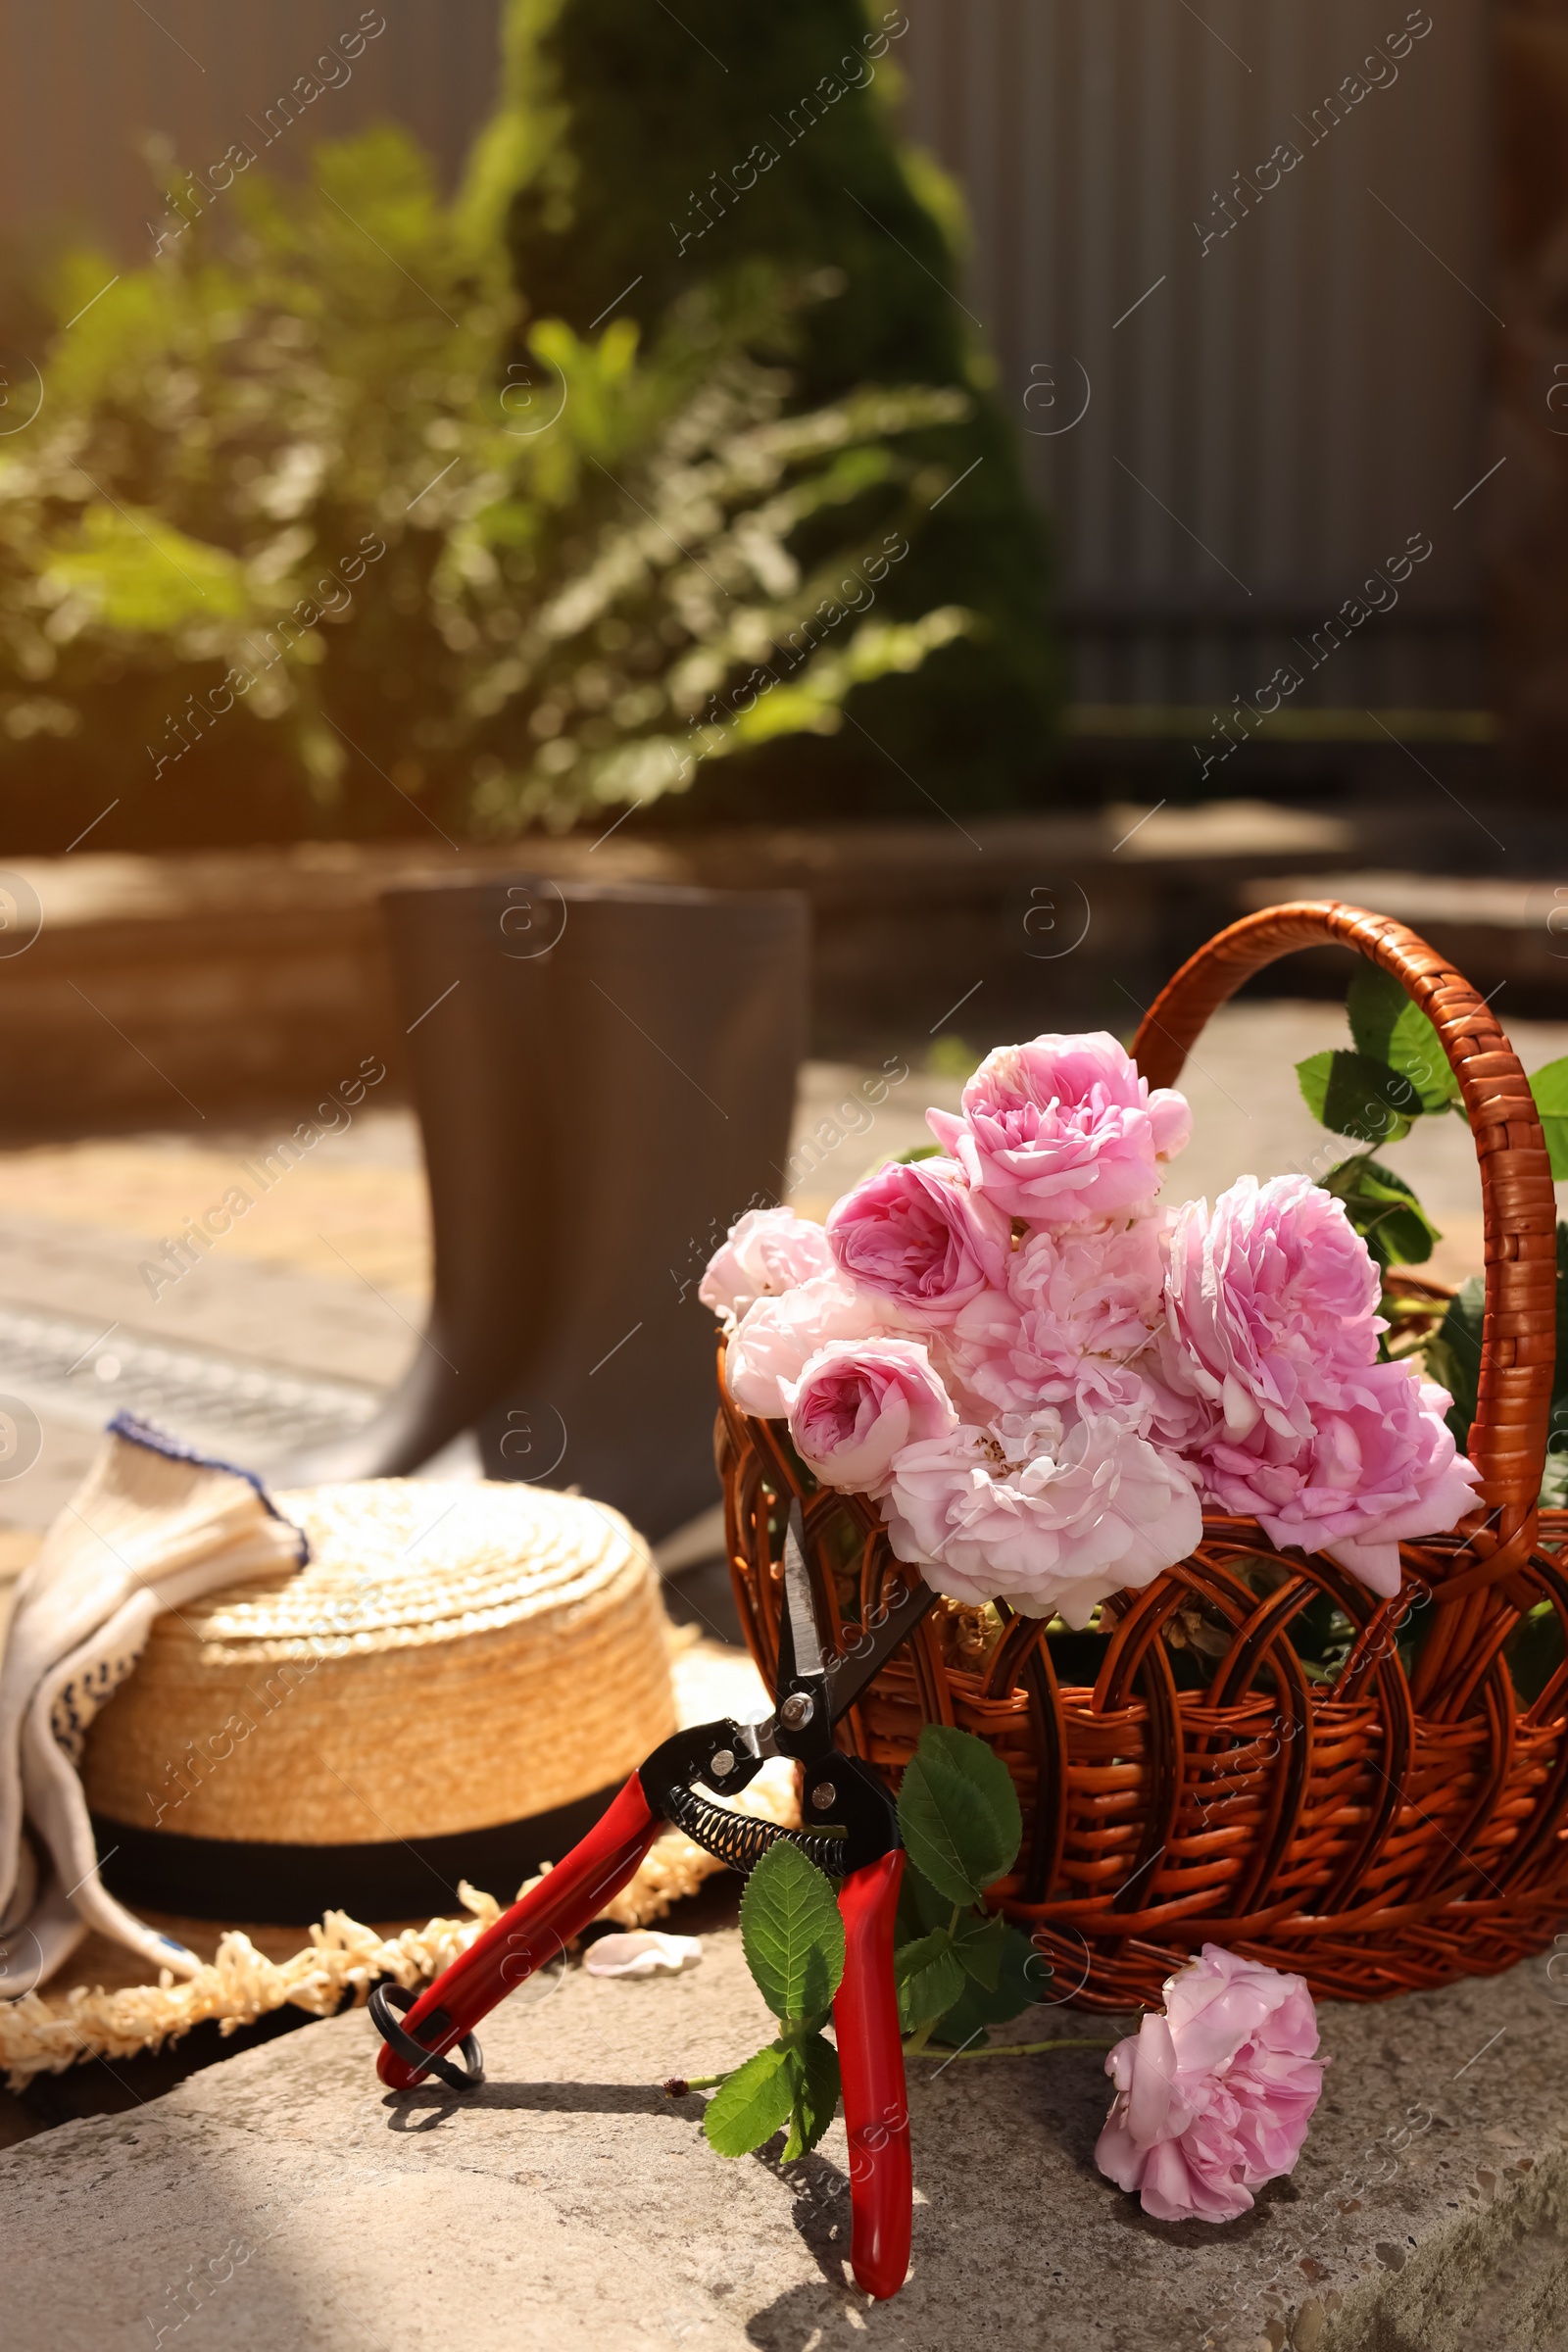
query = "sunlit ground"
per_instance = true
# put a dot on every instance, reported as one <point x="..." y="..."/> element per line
<point x="328" y="1274"/>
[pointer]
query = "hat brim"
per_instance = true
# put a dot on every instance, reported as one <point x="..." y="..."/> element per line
<point x="290" y="1885"/>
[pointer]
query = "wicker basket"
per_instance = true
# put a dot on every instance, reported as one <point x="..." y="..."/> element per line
<point x="1387" y="1830"/>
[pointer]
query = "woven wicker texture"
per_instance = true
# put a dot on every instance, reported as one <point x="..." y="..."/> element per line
<point x="452" y="1657"/>
<point x="1401" y="1825"/>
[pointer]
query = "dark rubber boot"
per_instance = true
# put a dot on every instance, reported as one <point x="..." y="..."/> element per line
<point x="605" y="1078"/>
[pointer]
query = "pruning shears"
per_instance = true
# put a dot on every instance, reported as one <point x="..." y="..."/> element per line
<point x="853" y="1838"/>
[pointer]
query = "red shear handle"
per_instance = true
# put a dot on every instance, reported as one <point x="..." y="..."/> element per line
<point x="533" y="1932"/>
<point x="877" y="2107"/>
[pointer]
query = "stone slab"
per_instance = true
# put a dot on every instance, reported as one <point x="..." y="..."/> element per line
<point x="348" y="1328"/>
<point x="135" y="987"/>
<point x="1506" y="935"/>
<point x="316" y="1291"/>
<point x="570" y="2206"/>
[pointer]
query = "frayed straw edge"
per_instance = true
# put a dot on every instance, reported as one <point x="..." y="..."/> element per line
<point x="241" y="1984"/>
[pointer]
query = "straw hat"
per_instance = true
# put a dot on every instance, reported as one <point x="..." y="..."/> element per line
<point x="102" y="2007"/>
<point x="482" y="1650"/>
<point x="452" y="1689"/>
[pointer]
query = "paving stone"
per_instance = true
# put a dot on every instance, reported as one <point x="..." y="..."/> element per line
<point x="309" y="1322"/>
<point x="216" y="977"/>
<point x="282" y="2199"/>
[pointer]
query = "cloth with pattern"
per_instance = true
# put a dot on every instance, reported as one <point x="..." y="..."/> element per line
<point x="150" y="1527"/>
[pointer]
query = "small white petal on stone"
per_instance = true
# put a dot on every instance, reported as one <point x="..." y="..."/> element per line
<point x="647" y="1953"/>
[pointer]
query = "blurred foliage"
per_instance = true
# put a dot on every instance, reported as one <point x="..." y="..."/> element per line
<point x="640" y="153"/>
<point x="951" y="1057"/>
<point x="308" y="536"/>
<point x="1397" y="1075"/>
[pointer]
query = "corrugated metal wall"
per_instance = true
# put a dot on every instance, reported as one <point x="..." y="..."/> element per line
<point x="82" y="82"/>
<point x="1278" y="415"/>
<point x="1287" y="407"/>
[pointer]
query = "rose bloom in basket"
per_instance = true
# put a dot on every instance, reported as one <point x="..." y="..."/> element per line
<point x="1041" y="1375"/>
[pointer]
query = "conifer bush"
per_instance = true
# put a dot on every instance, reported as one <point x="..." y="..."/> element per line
<point x="642" y="158"/>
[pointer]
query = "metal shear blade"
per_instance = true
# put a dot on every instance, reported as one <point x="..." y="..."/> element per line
<point x="800" y="1643"/>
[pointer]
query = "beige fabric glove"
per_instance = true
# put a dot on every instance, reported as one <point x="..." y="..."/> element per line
<point x="150" y="1527"/>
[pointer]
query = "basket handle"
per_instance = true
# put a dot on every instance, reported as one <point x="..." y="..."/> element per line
<point x="1518" y="1345"/>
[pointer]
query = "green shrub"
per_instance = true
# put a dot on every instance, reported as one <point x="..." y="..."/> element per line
<point x="291" y="545"/>
<point x="643" y="153"/>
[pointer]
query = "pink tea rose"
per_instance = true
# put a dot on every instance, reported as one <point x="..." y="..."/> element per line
<point x="1064" y="1130"/>
<point x="1041" y="1516"/>
<point x="857" y="1403"/>
<point x="1214" y="2097"/>
<point x="1269" y="1296"/>
<point x="1379" y="1468"/>
<point x="1101" y="1288"/>
<point x="915" y="1233"/>
<point x="1079" y="1309"/>
<point x="767" y="1252"/>
<point x="776" y="1338"/>
<point x="1004" y="1368"/>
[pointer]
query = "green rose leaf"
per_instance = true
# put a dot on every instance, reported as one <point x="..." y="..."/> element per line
<point x="1534" y="1651"/>
<point x="791" y="1933"/>
<point x="1553" y="1493"/>
<point x="1550" y="1090"/>
<point x="920" y="1907"/>
<point x="750" y="2105"/>
<point x="1387" y="1027"/>
<point x="814" y="2073"/>
<point x="1554" y="1481"/>
<point x="959" y="1813"/>
<point x="978" y="1944"/>
<point x="1453" y="1355"/>
<point x="909" y="1959"/>
<point x="1023" y="1977"/>
<point x="1384" y="1211"/>
<point x="1025" y="1972"/>
<point x="929" y="1980"/>
<point x="1357" y="1096"/>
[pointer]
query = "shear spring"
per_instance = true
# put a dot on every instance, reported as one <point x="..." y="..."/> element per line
<point x="741" y="1839"/>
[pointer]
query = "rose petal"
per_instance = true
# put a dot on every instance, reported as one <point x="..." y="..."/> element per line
<point x="644" y="1953"/>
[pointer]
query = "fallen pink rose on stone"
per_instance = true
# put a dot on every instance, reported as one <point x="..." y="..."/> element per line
<point x="1214" y="2097"/>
